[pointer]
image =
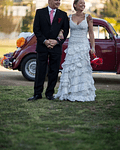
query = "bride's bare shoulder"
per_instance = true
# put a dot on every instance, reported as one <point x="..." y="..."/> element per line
<point x="89" y="17"/>
<point x="70" y="16"/>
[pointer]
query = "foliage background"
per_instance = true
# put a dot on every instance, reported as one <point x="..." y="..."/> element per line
<point x="110" y="12"/>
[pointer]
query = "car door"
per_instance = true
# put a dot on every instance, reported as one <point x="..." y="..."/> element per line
<point x="105" y="48"/>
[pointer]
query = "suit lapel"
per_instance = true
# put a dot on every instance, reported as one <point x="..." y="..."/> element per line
<point x="47" y="15"/>
<point x="56" y="16"/>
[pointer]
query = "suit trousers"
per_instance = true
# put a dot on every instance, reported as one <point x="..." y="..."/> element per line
<point x="44" y="59"/>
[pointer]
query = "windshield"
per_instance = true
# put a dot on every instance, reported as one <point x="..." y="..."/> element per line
<point x="113" y="30"/>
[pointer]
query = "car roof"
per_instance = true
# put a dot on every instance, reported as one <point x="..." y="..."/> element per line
<point x="99" y="20"/>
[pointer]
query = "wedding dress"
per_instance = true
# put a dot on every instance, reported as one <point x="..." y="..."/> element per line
<point x="76" y="81"/>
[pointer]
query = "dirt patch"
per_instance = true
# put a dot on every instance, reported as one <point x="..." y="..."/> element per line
<point x="112" y="86"/>
<point x="15" y="78"/>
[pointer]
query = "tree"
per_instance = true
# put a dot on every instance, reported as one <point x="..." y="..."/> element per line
<point x="3" y="4"/>
<point x="6" y="23"/>
<point x="114" y="23"/>
<point x="6" y="2"/>
<point x="111" y="8"/>
<point x="27" y="21"/>
<point x="111" y="13"/>
<point x="27" y="24"/>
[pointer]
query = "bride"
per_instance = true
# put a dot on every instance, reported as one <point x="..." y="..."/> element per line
<point x="76" y="82"/>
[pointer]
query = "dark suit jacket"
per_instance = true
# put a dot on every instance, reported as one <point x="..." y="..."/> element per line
<point x="44" y="30"/>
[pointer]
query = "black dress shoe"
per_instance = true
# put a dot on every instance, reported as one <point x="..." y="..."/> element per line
<point x="35" y="97"/>
<point x="50" y="97"/>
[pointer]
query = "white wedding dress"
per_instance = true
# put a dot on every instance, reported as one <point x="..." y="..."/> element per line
<point x="76" y="81"/>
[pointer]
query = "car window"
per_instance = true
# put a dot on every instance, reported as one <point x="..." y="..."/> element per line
<point x="100" y="32"/>
<point x="113" y="30"/>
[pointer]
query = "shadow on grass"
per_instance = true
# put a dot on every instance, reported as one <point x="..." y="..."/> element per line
<point x="58" y="125"/>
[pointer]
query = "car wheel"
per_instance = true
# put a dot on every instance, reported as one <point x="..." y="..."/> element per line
<point x="28" y="67"/>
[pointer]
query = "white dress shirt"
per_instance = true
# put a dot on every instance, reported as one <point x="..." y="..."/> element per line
<point x="49" y="9"/>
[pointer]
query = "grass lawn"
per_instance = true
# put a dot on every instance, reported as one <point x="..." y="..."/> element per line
<point x="6" y="49"/>
<point x="7" y="46"/>
<point x="58" y="125"/>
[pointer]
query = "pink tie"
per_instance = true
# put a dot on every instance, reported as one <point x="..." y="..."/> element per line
<point x="51" y="15"/>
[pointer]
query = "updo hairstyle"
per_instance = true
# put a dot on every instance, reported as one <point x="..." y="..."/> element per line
<point x="74" y="3"/>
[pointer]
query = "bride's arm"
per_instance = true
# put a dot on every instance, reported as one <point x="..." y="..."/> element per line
<point x="60" y="35"/>
<point x="91" y="33"/>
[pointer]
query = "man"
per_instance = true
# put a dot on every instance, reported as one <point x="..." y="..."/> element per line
<point x="47" y="25"/>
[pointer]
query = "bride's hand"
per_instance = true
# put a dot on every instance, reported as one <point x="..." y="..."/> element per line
<point x="60" y="35"/>
<point x="92" y="50"/>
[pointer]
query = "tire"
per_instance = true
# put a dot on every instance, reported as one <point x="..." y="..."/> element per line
<point x="28" y="67"/>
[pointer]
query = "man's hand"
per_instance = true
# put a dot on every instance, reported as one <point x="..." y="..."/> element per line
<point x="47" y="43"/>
<point x="52" y="42"/>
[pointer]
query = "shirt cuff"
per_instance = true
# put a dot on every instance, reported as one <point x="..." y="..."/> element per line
<point x="44" y="41"/>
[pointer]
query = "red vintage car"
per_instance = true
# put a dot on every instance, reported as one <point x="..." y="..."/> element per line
<point x="107" y="45"/>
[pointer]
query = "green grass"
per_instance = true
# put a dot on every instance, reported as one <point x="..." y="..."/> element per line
<point x="6" y="49"/>
<point x="58" y="125"/>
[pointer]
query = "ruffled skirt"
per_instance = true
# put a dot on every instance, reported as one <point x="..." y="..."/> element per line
<point x="76" y="81"/>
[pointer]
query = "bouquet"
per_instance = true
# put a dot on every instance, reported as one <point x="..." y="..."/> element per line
<point x="96" y="61"/>
<point x="5" y="61"/>
<point x="4" y="58"/>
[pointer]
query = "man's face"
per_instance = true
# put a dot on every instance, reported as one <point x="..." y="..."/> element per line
<point x="54" y="4"/>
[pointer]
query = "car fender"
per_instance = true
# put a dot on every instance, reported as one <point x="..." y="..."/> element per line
<point x="118" y="68"/>
<point x="23" y="53"/>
